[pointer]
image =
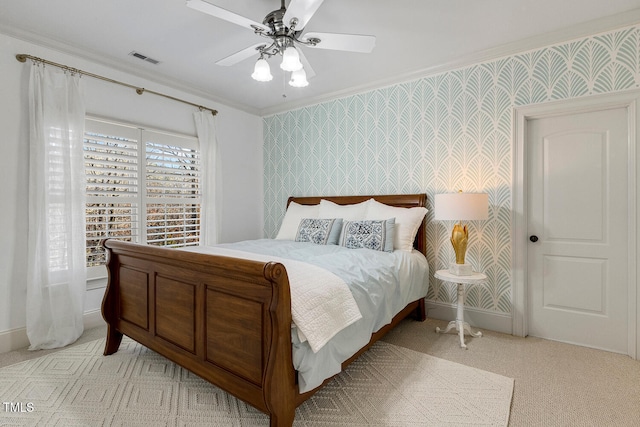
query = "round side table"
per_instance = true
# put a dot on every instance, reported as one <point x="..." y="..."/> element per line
<point x="460" y="325"/>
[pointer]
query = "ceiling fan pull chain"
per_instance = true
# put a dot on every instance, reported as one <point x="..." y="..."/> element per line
<point x="284" y="84"/>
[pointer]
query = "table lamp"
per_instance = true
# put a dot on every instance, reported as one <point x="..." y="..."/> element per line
<point x="461" y="207"/>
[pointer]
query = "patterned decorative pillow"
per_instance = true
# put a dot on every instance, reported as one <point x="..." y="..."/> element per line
<point x="319" y="231"/>
<point x="369" y="234"/>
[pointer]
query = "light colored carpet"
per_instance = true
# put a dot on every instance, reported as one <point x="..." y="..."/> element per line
<point x="387" y="386"/>
<point x="556" y="384"/>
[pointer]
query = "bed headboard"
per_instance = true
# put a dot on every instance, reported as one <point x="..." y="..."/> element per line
<point x="399" y="200"/>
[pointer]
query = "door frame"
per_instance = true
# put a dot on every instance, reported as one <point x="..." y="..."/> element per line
<point x="519" y="220"/>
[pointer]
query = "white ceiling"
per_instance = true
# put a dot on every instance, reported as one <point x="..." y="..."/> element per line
<point x="413" y="37"/>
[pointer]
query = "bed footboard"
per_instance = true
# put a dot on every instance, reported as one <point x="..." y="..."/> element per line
<point x="225" y="319"/>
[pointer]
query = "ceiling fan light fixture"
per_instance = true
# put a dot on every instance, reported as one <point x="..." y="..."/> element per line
<point x="299" y="78"/>
<point x="285" y="29"/>
<point x="262" y="71"/>
<point x="291" y="59"/>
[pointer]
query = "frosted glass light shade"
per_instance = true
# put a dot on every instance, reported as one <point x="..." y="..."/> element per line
<point x="461" y="206"/>
<point x="262" y="71"/>
<point x="299" y="78"/>
<point x="291" y="59"/>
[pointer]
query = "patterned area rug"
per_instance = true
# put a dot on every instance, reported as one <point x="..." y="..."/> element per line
<point x="386" y="386"/>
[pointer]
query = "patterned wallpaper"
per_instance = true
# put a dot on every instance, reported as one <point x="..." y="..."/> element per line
<point x="439" y="134"/>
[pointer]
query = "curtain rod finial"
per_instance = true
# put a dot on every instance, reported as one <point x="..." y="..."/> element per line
<point x="21" y="57"/>
<point x="213" y="112"/>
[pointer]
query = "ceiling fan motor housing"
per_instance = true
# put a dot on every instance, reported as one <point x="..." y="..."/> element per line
<point x="275" y="21"/>
<point x="282" y="35"/>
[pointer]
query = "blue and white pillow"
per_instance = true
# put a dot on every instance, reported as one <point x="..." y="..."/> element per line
<point x="369" y="234"/>
<point x="319" y="231"/>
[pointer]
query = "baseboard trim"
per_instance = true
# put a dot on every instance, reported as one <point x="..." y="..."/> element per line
<point x="481" y="319"/>
<point x="93" y="319"/>
<point x="15" y="339"/>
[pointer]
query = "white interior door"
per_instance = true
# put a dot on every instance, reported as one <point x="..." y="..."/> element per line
<point x="577" y="202"/>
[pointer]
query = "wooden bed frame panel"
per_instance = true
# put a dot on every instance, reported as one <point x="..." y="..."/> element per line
<point x="225" y="319"/>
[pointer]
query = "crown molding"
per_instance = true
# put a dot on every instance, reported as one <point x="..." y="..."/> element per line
<point x="590" y="28"/>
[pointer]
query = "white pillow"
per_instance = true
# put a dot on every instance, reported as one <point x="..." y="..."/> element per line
<point x="295" y="213"/>
<point x="408" y="221"/>
<point x="354" y="212"/>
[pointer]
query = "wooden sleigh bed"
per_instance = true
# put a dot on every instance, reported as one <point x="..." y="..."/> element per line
<point x="227" y="320"/>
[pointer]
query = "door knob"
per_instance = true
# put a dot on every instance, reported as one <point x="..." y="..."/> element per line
<point x="533" y="238"/>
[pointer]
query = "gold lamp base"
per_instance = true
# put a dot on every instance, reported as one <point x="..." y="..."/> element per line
<point x="459" y="239"/>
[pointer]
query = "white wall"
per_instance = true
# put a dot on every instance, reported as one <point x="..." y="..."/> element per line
<point x="239" y="138"/>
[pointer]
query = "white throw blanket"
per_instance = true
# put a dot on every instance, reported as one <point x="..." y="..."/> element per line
<point x="321" y="302"/>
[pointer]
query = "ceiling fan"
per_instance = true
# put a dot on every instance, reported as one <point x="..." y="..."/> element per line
<point x="284" y="28"/>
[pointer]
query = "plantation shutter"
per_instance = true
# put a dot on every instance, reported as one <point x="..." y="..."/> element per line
<point x="172" y="190"/>
<point x="142" y="186"/>
<point x="113" y="181"/>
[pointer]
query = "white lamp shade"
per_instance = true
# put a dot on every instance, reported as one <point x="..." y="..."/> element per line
<point x="291" y="59"/>
<point x="262" y="71"/>
<point x="299" y="78"/>
<point x="461" y="206"/>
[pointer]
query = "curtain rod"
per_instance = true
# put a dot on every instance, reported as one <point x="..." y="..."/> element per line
<point x="139" y="90"/>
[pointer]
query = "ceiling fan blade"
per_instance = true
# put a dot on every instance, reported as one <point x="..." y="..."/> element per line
<point x="348" y="42"/>
<point x="221" y="13"/>
<point x="240" y="55"/>
<point x="302" y="10"/>
<point x="305" y="64"/>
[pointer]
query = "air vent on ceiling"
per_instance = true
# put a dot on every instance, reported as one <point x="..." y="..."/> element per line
<point x="144" y="57"/>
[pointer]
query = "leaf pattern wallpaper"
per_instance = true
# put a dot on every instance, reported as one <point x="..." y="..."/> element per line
<point x="441" y="133"/>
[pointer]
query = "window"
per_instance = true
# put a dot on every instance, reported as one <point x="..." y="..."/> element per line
<point x="142" y="186"/>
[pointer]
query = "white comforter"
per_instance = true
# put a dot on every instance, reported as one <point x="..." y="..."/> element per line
<point x="321" y="303"/>
<point x="381" y="283"/>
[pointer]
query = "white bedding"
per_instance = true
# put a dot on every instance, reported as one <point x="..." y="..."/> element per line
<point x="321" y="303"/>
<point x="381" y="283"/>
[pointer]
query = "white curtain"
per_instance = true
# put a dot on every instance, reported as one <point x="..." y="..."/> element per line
<point x="210" y="207"/>
<point x="56" y="277"/>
